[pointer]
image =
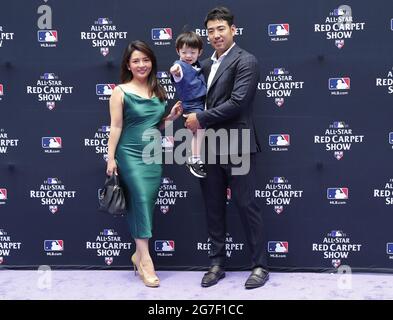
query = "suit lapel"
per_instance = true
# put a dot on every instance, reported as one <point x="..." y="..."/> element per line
<point x="233" y="54"/>
<point x="206" y="68"/>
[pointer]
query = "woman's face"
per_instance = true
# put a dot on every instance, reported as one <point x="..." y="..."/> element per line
<point x="140" y="65"/>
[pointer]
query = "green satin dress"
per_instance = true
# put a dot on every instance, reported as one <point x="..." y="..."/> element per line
<point x="140" y="180"/>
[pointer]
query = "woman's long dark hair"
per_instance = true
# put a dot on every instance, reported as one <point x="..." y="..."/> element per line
<point x="152" y="81"/>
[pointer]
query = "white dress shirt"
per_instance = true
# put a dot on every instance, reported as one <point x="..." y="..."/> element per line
<point x="216" y="64"/>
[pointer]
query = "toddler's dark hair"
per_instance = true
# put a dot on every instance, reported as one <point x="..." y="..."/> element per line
<point x="190" y="39"/>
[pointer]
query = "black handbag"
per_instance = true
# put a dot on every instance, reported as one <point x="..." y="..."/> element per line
<point x="111" y="197"/>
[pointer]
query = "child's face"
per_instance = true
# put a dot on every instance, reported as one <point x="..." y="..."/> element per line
<point x="188" y="54"/>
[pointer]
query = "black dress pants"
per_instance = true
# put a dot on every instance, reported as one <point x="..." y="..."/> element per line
<point x="214" y="190"/>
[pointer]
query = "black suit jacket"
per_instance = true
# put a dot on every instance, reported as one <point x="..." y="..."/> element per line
<point x="231" y="95"/>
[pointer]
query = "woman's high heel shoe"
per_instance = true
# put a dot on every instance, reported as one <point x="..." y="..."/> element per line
<point x="135" y="264"/>
<point x="149" y="281"/>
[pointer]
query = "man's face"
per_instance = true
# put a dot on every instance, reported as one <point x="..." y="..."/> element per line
<point x="220" y="35"/>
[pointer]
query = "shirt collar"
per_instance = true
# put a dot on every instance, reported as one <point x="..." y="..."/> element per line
<point x="213" y="57"/>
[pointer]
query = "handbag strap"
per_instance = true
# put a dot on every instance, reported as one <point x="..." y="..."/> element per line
<point x="116" y="178"/>
<point x="112" y="180"/>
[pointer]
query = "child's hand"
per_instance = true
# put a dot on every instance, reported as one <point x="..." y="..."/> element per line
<point x="175" y="70"/>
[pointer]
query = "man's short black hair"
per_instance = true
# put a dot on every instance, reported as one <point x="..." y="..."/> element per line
<point x="220" y="13"/>
<point x="190" y="39"/>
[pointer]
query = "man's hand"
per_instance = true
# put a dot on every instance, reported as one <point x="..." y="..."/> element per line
<point x="192" y="122"/>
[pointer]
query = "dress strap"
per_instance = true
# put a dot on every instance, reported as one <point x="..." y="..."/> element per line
<point x="124" y="93"/>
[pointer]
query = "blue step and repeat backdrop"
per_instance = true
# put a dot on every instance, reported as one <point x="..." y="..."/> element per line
<point x="324" y="115"/>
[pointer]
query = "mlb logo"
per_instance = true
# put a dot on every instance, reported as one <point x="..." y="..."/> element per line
<point x="49" y="76"/>
<point x="1" y="260"/>
<point x="278" y="71"/>
<point x="47" y="36"/>
<point x="3" y="194"/>
<point x="339" y="43"/>
<point x="109" y="232"/>
<point x="52" y="181"/>
<point x="162" y="74"/>
<point x="336" y="263"/>
<point x="105" y="128"/>
<point x="53" y="209"/>
<point x="278" y="209"/>
<point x="108" y="260"/>
<point x="105" y="157"/>
<point x="164" y="245"/>
<point x="104" y="51"/>
<point x="105" y="89"/>
<point x="167" y="142"/>
<point x="337" y="193"/>
<point x="336" y="233"/>
<point x="339" y="83"/>
<point x="281" y="29"/>
<point x="277" y="140"/>
<point x="277" y="247"/>
<point x="278" y="179"/>
<point x="391" y="137"/>
<point x="1" y="90"/>
<point x="51" y="142"/>
<point x="53" y="245"/>
<point x="161" y="34"/>
<point x="339" y="12"/>
<point x="279" y="101"/>
<point x="166" y="180"/>
<point x="338" y="154"/>
<point x="389" y="248"/>
<point x="103" y="21"/>
<point x="338" y="124"/>
<point x="50" y="105"/>
<point x="164" y="209"/>
<point x="391" y="24"/>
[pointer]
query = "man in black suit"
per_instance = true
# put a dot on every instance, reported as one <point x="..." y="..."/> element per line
<point x="232" y="75"/>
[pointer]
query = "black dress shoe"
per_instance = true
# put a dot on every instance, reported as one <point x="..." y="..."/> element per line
<point x="211" y="277"/>
<point x="257" y="278"/>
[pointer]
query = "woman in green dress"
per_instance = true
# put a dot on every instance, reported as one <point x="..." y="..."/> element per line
<point x="137" y="109"/>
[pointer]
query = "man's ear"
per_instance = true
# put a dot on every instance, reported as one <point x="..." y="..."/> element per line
<point x="233" y="29"/>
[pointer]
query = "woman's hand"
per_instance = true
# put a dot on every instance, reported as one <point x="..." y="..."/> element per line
<point x="176" y="111"/>
<point x="111" y="167"/>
